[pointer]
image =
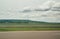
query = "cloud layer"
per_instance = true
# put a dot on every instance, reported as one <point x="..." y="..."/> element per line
<point x="47" y="12"/>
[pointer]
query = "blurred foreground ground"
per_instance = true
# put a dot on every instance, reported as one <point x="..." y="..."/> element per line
<point x="30" y="35"/>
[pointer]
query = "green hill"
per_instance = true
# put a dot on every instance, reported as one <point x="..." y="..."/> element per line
<point x="23" y="21"/>
<point x="27" y="23"/>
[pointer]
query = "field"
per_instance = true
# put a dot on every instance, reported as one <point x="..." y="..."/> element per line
<point x="47" y="25"/>
<point x="28" y="27"/>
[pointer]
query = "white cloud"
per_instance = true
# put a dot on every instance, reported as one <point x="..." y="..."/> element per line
<point x="47" y="16"/>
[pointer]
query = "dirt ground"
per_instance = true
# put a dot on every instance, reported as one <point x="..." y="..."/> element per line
<point x="30" y="35"/>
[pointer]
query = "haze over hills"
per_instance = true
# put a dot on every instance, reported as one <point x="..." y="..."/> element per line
<point x="47" y="12"/>
<point x="24" y="21"/>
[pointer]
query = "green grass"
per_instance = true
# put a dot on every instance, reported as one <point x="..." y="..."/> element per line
<point x="28" y="29"/>
<point x="28" y="25"/>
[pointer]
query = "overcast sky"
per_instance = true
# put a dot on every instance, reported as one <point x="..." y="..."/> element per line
<point x="6" y="5"/>
<point x="18" y="4"/>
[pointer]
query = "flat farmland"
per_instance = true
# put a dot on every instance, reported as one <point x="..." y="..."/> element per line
<point x="28" y="25"/>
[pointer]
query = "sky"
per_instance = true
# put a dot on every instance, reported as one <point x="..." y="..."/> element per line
<point x="9" y="9"/>
<point x="18" y="4"/>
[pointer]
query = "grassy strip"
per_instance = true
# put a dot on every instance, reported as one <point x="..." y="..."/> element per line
<point x="27" y="29"/>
